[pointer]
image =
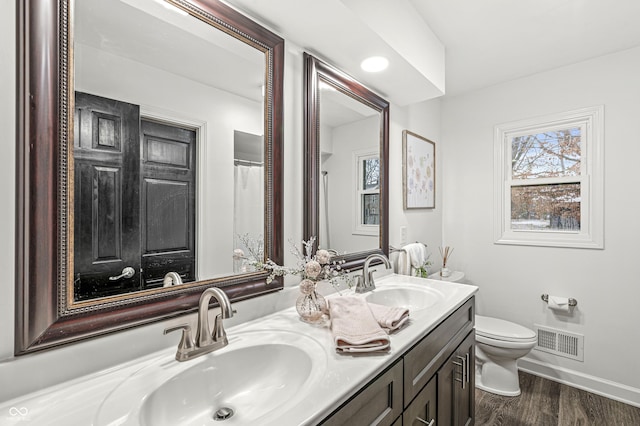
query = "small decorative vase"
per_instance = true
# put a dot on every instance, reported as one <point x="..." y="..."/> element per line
<point x="445" y="272"/>
<point x="310" y="305"/>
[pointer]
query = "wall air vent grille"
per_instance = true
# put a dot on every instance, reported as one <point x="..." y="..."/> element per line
<point x="560" y="342"/>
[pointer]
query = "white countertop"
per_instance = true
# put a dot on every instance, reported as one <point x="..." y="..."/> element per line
<point x="80" y="401"/>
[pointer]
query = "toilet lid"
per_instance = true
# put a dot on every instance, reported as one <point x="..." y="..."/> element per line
<point x="498" y="329"/>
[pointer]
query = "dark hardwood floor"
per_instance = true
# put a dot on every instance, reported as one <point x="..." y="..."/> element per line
<point x="547" y="403"/>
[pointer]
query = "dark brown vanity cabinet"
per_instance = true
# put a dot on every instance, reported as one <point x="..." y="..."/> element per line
<point x="433" y="383"/>
<point x="378" y="403"/>
<point x="456" y="386"/>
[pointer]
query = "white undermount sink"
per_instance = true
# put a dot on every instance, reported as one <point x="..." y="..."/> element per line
<point x="259" y="375"/>
<point x="413" y="297"/>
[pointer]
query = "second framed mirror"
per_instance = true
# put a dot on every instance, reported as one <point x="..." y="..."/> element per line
<point x="346" y="164"/>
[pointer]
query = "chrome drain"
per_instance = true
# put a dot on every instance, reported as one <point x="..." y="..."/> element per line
<point x="223" y="413"/>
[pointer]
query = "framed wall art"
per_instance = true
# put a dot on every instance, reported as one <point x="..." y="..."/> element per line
<point x="418" y="171"/>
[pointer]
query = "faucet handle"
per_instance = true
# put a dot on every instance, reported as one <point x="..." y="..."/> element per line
<point x="186" y="343"/>
<point x="219" y="335"/>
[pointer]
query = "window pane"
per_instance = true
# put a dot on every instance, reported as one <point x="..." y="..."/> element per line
<point x="546" y="207"/>
<point x="548" y="154"/>
<point x="370" y="209"/>
<point x="371" y="173"/>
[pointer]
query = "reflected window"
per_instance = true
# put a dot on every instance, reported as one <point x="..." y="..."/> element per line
<point x="367" y="166"/>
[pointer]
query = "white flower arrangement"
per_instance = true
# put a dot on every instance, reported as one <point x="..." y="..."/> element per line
<point x="319" y="267"/>
<point x="310" y="267"/>
<point x="255" y="256"/>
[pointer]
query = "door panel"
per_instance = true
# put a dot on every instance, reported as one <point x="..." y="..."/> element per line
<point x="107" y="211"/>
<point x="106" y="196"/>
<point x="167" y="225"/>
<point x="168" y="202"/>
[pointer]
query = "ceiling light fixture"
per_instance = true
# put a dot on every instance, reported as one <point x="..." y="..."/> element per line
<point x="375" y="64"/>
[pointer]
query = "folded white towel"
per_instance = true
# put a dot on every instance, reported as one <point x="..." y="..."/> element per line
<point x="401" y="263"/>
<point x="354" y="327"/>
<point x="417" y="255"/>
<point x="389" y="318"/>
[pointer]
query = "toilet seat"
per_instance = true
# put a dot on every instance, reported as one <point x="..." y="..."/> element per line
<point x="501" y="333"/>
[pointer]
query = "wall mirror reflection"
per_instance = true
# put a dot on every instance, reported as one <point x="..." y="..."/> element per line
<point x="153" y="167"/>
<point x="346" y="131"/>
<point x="350" y="172"/>
<point x="154" y="144"/>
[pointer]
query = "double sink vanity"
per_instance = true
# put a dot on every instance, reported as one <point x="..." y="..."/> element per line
<point x="278" y="370"/>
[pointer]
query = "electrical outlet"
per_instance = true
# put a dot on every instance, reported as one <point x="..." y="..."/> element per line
<point x="403" y="236"/>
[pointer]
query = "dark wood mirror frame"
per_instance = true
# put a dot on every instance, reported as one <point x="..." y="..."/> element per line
<point x="314" y="71"/>
<point x="44" y="102"/>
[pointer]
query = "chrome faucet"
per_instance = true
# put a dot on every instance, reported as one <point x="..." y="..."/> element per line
<point x="366" y="282"/>
<point x="205" y="340"/>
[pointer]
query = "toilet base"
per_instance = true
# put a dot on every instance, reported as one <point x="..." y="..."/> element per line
<point x="496" y="374"/>
<point x="496" y="391"/>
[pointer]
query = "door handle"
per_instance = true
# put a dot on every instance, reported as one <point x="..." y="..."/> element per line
<point x="127" y="272"/>
<point x="431" y="423"/>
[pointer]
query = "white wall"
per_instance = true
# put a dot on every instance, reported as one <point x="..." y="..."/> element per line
<point x="423" y="225"/>
<point x="512" y="278"/>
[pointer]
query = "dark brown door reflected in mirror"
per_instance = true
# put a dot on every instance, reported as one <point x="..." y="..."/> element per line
<point x="168" y="203"/>
<point x="107" y="202"/>
<point x="135" y="199"/>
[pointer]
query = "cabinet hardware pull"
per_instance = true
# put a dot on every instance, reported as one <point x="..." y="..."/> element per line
<point x="464" y="369"/>
<point x="468" y="368"/>
<point x="431" y="423"/>
<point x="455" y="373"/>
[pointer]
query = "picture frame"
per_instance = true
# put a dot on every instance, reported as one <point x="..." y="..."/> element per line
<point x="418" y="171"/>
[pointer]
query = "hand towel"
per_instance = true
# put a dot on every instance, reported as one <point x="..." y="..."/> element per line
<point x="401" y="263"/>
<point x="417" y="254"/>
<point x="389" y="318"/>
<point x="354" y="327"/>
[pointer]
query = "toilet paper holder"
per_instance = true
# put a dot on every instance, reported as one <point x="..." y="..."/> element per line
<point x="572" y="301"/>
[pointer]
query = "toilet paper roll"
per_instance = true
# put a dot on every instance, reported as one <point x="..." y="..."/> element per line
<point x="559" y="304"/>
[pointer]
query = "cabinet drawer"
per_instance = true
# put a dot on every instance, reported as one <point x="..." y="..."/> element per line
<point x="379" y="403"/>
<point x="423" y="408"/>
<point x="424" y="359"/>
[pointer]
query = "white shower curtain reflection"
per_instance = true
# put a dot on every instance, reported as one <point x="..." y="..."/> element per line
<point x="248" y="205"/>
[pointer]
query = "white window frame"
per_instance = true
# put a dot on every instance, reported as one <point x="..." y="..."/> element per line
<point x="591" y="234"/>
<point x="358" y="227"/>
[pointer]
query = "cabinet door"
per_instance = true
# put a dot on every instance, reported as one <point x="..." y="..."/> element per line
<point x="465" y="401"/>
<point x="423" y="409"/>
<point x="425" y="358"/>
<point x="379" y="403"/>
<point x="456" y="386"/>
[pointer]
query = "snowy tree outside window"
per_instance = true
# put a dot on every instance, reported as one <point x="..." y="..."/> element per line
<point x="549" y="180"/>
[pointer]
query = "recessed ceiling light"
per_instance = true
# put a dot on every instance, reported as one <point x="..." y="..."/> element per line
<point x="375" y="64"/>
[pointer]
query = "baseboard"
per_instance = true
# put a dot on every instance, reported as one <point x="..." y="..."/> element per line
<point x="608" y="389"/>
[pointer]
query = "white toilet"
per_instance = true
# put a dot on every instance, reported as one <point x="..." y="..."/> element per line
<point x="499" y="345"/>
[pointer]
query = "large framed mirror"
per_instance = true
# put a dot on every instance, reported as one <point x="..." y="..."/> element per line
<point x="149" y="144"/>
<point x="346" y="164"/>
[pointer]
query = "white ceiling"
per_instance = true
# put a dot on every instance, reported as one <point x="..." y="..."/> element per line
<point x="491" y="41"/>
<point x="486" y="41"/>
